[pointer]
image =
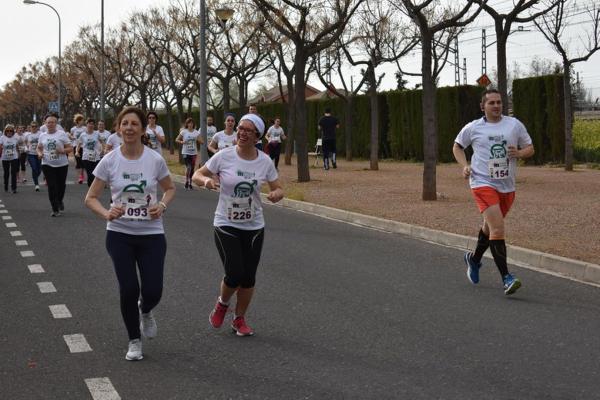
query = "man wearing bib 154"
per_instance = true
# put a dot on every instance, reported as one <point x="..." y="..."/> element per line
<point x="497" y="141"/>
<point x="239" y="224"/>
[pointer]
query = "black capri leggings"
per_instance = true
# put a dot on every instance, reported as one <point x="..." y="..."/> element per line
<point x="240" y="253"/>
<point x="148" y="253"/>
<point x="56" y="177"/>
<point x="89" y="166"/>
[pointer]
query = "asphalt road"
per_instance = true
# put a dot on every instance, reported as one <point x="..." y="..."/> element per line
<point x="340" y="312"/>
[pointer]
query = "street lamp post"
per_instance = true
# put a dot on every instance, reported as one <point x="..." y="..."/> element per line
<point x="59" y="52"/>
<point x="102" y="60"/>
<point x="223" y="15"/>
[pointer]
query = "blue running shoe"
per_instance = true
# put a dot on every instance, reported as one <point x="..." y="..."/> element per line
<point x="511" y="284"/>
<point x="472" y="268"/>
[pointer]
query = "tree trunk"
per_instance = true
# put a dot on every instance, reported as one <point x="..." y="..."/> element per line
<point x="568" y="117"/>
<point x="502" y="38"/>
<point x="374" y="156"/>
<point x="226" y="96"/>
<point x="291" y="121"/>
<point x="348" y="121"/>
<point x="300" y="111"/>
<point x="169" y="133"/>
<point x="429" y="122"/>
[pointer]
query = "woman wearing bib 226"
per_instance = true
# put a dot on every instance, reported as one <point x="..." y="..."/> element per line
<point x="239" y="223"/>
<point x="135" y="235"/>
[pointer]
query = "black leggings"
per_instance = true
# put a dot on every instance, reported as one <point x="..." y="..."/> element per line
<point x="11" y="168"/>
<point x="240" y="253"/>
<point x="56" y="177"/>
<point x="23" y="160"/>
<point x="190" y="162"/>
<point x="89" y="169"/>
<point x="148" y="253"/>
<point x="274" y="152"/>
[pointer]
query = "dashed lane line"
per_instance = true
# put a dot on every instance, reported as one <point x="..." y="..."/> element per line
<point x="3" y="212"/>
<point x="11" y="225"/>
<point x="21" y="242"/>
<point x="27" y="253"/>
<point x="36" y="269"/>
<point x="60" y="311"/>
<point x="15" y="233"/>
<point x="6" y="218"/>
<point x="77" y="343"/>
<point x="102" y="389"/>
<point x="46" y="287"/>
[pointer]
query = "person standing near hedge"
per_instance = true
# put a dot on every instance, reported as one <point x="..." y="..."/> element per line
<point x="497" y="141"/>
<point x="327" y="125"/>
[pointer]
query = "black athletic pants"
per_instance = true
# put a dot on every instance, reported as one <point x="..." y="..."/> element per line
<point x="240" y="253"/>
<point x="56" y="178"/>
<point x="89" y="169"/>
<point x="147" y="253"/>
<point x="11" y="168"/>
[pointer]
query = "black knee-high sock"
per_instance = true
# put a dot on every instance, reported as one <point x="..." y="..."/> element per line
<point x="483" y="242"/>
<point x="498" y="248"/>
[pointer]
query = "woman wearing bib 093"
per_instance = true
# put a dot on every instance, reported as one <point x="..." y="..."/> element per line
<point x="497" y="142"/>
<point x="135" y="234"/>
<point x="239" y="223"/>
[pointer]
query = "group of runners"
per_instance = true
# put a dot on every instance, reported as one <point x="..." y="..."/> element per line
<point x="129" y="164"/>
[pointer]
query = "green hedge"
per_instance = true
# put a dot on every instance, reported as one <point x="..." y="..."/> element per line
<point x="586" y="140"/>
<point x="400" y="121"/>
<point x="538" y="103"/>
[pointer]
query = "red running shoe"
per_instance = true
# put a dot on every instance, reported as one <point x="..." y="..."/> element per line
<point x="240" y="328"/>
<point x="217" y="315"/>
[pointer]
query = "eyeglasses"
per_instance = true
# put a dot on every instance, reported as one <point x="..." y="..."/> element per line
<point x="246" y="130"/>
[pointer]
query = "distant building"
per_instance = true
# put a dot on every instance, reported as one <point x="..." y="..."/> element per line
<point x="274" y="95"/>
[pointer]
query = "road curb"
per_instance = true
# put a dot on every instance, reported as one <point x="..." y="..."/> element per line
<point x="532" y="259"/>
<point x="526" y="258"/>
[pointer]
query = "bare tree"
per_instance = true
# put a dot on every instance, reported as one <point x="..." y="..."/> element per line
<point x="553" y="26"/>
<point x="503" y="21"/>
<point x="380" y="38"/>
<point x="438" y="26"/>
<point x="311" y="26"/>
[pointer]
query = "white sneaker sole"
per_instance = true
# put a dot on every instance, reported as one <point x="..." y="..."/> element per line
<point x="134" y="358"/>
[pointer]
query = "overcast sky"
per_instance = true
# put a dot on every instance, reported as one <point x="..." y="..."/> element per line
<point x="30" y="33"/>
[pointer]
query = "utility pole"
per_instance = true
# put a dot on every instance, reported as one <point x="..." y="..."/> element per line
<point x="456" y="63"/>
<point x="483" y="53"/>
<point x="102" y="71"/>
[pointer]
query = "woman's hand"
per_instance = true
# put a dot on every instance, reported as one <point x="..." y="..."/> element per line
<point x="156" y="211"/>
<point x="275" y="196"/>
<point x="114" y="212"/>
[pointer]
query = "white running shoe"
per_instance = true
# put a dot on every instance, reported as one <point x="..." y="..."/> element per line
<point x="134" y="352"/>
<point x="37" y="188"/>
<point x="147" y="323"/>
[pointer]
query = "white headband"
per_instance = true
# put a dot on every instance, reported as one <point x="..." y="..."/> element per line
<point x="257" y="121"/>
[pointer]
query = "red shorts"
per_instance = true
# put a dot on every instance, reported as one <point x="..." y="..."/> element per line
<point x="486" y="196"/>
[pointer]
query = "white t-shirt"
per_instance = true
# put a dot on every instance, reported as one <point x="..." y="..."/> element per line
<point x="239" y="199"/>
<point x="190" y="142"/>
<point x="90" y="143"/>
<point x="22" y="142"/>
<point x="50" y="143"/>
<point x="152" y="137"/>
<point x="103" y="136"/>
<point x="10" y="147"/>
<point x="224" y="140"/>
<point x="32" y="142"/>
<point x="131" y="181"/>
<point x="275" y="134"/>
<point x="114" y="140"/>
<point x="210" y="133"/>
<point x="76" y="131"/>
<point x="490" y="165"/>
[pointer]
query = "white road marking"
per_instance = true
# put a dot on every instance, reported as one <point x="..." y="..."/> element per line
<point x="46" y="287"/>
<point x="3" y="212"/>
<point x="11" y="225"/>
<point x="27" y="253"/>
<point x="15" y="233"/>
<point x="1" y="205"/>
<point x="102" y="389"/>
<point x="77" y="343"/>
<point x="36" y="268"/>
<point x="21" y="242"/>
<point x="6" y="218"/>
<point x="60" y="311"/>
